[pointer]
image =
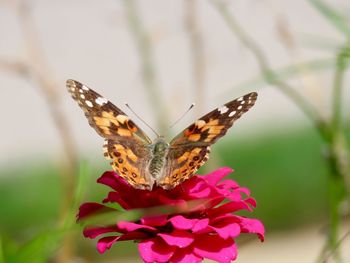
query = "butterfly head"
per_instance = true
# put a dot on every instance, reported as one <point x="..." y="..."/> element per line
<point x="160" y="146"/>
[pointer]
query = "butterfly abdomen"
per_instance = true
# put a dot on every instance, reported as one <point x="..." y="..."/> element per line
<point x="157" y="162"/>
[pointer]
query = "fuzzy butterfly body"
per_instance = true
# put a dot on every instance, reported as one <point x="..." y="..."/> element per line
<point x="144" y="163"/>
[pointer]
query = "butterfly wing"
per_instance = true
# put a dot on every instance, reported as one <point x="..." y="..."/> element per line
<point x="125" y="143"/>
<point x="190" y="149"/>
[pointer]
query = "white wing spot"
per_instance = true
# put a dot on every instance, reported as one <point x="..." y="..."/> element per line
<point x="89" y="103"/>
<point x="240" y="107"/>
<point x="72" y="89"/>
<point x="240" y="99"/>
<point x="82" y="96"/>
<point x="200" y="123"/>
<point x="232" y="113"/>
<point x="101" y="101"/>
<point x="122" y="118"/>
<point x="81" y="91"/>
<point x="223" y="109"/>
<point x="84" y="87"/>
<point x="242" y="102"/>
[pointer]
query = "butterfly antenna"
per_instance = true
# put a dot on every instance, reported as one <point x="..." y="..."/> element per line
<point x="183" y="115"/>
<point x="127" y="105"/>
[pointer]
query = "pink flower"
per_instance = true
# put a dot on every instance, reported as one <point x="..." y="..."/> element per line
<point x="200" y="226"/>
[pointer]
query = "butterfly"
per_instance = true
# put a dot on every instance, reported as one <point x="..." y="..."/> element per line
<point x="144" y="163"/>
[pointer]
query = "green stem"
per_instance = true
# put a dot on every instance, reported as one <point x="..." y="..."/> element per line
<point x="335" y="199"/>
<point x="338" y="159"/>
<point x="337" y="92"/>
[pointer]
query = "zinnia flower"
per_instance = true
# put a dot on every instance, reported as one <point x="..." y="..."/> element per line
<point x="205" y="226"/>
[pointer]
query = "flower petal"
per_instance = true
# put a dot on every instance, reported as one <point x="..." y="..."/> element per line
<point x="229" y="207"/>
<point x="88" y="209"/>
<point x="155" y="250"/>
<point x="106" y="243"/>
<point x="178" y="238"/>
<point x="130" y="226"/>
<point x="197" y="225"/>
<point x="180" y="222"/>
<point x="251" y="225"/>
<point x="154" y="220"/>
<point x="93" y="232"/>
<point x="250" y="201"/>
<point x="226" y="226"/>
<point x="185" y="255"/>
<point x="215" y="248"/>
<point x="200" y="225"/>
<point x="114" y="181"/>
<point x="216" y="176"/>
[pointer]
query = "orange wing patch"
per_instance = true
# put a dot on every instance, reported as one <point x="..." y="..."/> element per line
<point x="205" y="131"/>
<point x="187" y="164"/>
<point x="120" y="124"/>
<point x="124" y="163"/>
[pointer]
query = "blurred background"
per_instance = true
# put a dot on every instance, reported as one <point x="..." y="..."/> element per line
<point x="160" y="56"/>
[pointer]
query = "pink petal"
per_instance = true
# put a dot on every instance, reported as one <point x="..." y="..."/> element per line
<point x="215" y="248"/>
<point x="135" y="198"/>
<point x="194" y="188"/>
<point x="250" y="201"/>
<point x="114" y="197"/>
<point x="226" y="227"/>
<point x="251" y="225"/>
<point x="200" y="225"/>
<point x="155" y="250"/>
<point x="88" y="209"/>
<point x="178" y="238"/>
<point x="106" y="243"/>
<point x="228" y="184"/>
<point x="215" y="177"/>
<point x="180" y="222"/>
<point x="244" y="190"/>
<point x="113" y="180"/>
<point x="130" y="226"/>
<point x="185" y="255"/>
<point x="200" y="191"/>
<point x="229" y="207"/>
<point x="154" y="220"/>
<point x="93" y="232"/>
